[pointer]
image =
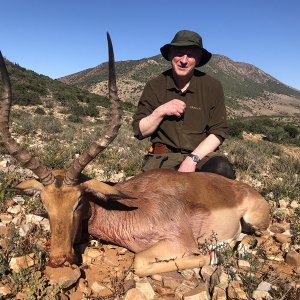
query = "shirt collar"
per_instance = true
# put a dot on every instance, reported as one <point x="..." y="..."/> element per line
<point x="172" y="86"/>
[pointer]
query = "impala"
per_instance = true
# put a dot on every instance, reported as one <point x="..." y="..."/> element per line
<point x="161" y="215"/>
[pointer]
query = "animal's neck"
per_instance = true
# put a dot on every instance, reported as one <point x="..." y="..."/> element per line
<point x="105" y="224"/>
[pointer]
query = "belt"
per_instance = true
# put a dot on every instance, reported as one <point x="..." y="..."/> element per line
<point x="159" y="148"/>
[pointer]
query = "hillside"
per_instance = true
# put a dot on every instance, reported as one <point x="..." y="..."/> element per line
<point x="32" y="89"/>
<point x="248" y="90"/>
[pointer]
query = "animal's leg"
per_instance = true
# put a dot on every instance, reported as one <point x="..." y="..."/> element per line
<point x="166" y="256"/>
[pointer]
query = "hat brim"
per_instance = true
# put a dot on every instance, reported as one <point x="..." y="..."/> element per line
<point x="205" y="55"/>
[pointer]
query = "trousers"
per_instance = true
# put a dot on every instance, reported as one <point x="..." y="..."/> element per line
<point x="213" y="163"/>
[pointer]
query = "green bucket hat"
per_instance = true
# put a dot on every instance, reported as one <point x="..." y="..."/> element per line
<point x="187" y="38"/>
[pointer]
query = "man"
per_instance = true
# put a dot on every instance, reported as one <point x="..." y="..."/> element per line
<point x="183" y="112"/>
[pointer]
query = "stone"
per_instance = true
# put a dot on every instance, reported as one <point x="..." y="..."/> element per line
<point x="188" y="274"/>
<point x="277" y="228"/>
<point x="207" y="271"/>
<point x="198" y="293"/>
<point x="293" y="258"/>
<point x="22" y="262"/>
<point x="157" y="277"/>
<point x="4" y="291"/>
<point x="294" y="204"/>
<point x="6" y="218"/>
<point x="261" y="295"/>
<point x="64" y="276"/>
<point x="38" y="220"/>
<point x="16" y="209"/>
<point x="4" y="229"/>
<point x="244" y="264"/>
<point x="219" y="292"/>
<point x="93" y="252"/>
<point x="128" y="285"/>
<point x="283" y="203"/>
<point x="182" y="289"/>
<point x="145" y="287"/>
<point x="82" y="285"/>
<point x="19" y="200"/>
<point x="100" y="289"/>
<point x="282" y="238"/>
<point x="135" y="294"/>
<point x="25" y="229"/>
<point x="264" y="286"/>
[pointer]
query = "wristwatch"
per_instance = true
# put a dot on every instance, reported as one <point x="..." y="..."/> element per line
<point x="194" y="157"/>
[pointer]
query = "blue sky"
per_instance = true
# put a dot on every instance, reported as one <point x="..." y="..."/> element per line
<point x="57" y="38"/>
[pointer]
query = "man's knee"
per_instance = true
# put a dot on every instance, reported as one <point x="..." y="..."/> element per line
<point x="219" y="165"/>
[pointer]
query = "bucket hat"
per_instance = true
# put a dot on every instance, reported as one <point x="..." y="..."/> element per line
<point x="187" y="38"/>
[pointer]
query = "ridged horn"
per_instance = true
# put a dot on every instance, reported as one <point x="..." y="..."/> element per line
<point x="13" y="148"/>
<point x="110" y="131"/>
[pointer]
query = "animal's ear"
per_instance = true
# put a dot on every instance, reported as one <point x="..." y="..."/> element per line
<point x="103" y="191"/>
<point x="28" y="187"/>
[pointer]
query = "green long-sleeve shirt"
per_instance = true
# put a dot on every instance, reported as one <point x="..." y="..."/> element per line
<point x="205" y="111"/>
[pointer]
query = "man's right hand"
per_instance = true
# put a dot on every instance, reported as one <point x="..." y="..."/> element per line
<point x="174" y="107"/>
<point x="150" y="123"/>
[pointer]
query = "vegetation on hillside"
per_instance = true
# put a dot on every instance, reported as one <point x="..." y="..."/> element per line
<point x="236" y="85"/>
<point x="30" y="88"/>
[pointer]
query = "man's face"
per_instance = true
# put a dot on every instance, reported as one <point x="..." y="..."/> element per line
<point x="184" y="59"/>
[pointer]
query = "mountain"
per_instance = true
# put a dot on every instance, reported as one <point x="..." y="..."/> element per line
<point x="248" y="90"/>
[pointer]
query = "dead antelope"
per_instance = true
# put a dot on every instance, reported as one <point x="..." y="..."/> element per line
<point x="160" y="220"/>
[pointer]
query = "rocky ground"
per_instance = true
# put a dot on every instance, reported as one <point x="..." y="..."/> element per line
<point x="256" y="267"/>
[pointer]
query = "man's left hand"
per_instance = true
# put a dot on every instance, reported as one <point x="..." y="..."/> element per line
<point x="188" y="165"/>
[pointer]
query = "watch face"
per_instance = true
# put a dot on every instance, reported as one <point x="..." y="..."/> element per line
<point x="194" y="157"/>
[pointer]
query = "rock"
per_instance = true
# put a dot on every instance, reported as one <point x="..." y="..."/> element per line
<point x="219" y="292"/>
<point x="261" y="295"/>
<point x="282" y="238"/>
<point x="4" y="291"/>
<point x="188" y="274"/>
<point x="93" y="252"/>
<point x="19" y="200"/>
<point x="294" y="204"/>
<point x="185" y="287"/>
<point x="135" y="294"/>
<point x="283" y="203"/>
<point x="22" y="262"/>
<point x="199" y="293"/>
<point x="157" y="277"/>
<point x="277" y="228"/>
<point x="100" y="290"/>
<point x="264" y="286"/>
<point x="293" y="258"/>
<point x="4" y="229"/>
<point x="244" y="264"/>
<point x="235" y="291"/>
<point x="6" y="218"/>
<point x="38" y="220"/>
<point x="4" y="163"/>
<point x="64" y="276"/>
<point x="128" y="285"/>
<point x="82" y="286"/>
<point x="15" y="209"/>
<point x="207" y="271"/>
<point x="25" y="229"/>
<point x="145" y="287"/>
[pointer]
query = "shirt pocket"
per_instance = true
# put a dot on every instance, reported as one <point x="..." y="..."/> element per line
<point x="195" y="120"/>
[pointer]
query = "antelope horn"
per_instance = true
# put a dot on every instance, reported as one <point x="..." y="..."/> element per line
<point x="110" y="131"/>
<point x="14" y="149"/>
